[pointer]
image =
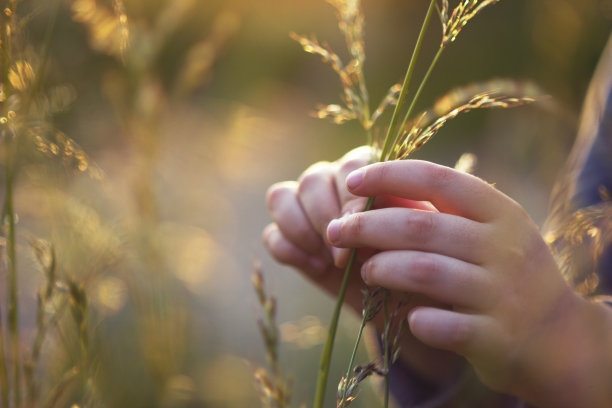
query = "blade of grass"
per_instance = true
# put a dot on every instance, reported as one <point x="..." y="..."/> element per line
<point x="328" y="348"/>
<point x="406" y="85"/>
<point x="355" y="348"/>
<point x="3" y="373"/>
<point x="417" y="94"/>
<point x="8" y="213"/>
<point x="386" y="350"/>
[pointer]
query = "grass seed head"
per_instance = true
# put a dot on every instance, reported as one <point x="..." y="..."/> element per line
<point x="452" y="105"/>
<point x="453" y="24"/>
<point x="108" y="29"/>
<point x="577" y="243"/>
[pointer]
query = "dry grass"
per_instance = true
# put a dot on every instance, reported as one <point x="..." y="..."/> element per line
<point x="578" y="241"/>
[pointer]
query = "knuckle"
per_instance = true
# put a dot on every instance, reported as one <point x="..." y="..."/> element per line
<point x="439" y="176"/>
<point x="353" y="227"/>
<point x="460" y="335"/>
<point x="351" y="164"/>
<point x="362" y="152"/>
<point x="276" y="192"/>
<point x="318" y="168"/>
<point x="379" y="175"/>
<point x="272" y="195"/>
<point x="308" y="182"/>
<point x="420" y="224"/>
<point x="424" y="269"/>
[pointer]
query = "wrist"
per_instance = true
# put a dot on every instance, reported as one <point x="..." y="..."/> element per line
<point x="568" y="361"/>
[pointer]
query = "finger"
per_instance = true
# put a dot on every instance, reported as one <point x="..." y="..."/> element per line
<point x="384" y="201"/>
<point x="318" y="196"/>
<point x="444" y="279"/>
<point x="353" y="206"/>
<point x="446" y="329"/>
<point x="449" y="190"/>
<point x="401" y="228"/>
<point x="315" y="268"/>
<point x="284" y="251"/>
<point x="286" y="211"/>
<point x="353" y="160"/>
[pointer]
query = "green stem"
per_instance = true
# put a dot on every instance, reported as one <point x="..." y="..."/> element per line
<point x="9" y="213"/>
<point x="3" y="373"/>
<point x="13" y="312"/>
<point x="386" y="348"/>
<point x="416" y="97"/>
<point x="331" y="335"/>
<point x="355" y="347"/>
<point x="407" y="80"/>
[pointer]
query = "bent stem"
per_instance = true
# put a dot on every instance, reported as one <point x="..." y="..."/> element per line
<point x="329" y="343"/>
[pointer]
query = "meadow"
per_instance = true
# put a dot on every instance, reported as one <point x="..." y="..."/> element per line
<point x="139" y="138"/>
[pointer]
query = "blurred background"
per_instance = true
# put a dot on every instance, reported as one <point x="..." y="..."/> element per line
<point x="185" y="112"/>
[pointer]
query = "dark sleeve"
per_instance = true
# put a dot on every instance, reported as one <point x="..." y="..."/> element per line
<point x="586" y="181"/>
<point x="595" y="175"/>
<point x="409" y="390"/>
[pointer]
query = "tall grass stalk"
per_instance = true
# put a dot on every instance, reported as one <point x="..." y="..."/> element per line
<point x="386" y="350"/>
<point x="329" y="343"/>
<point x="3" y="373"/>
<point x="8" y="215"/>
<point x="417" y="94"/>
<point x="347" y="388"/>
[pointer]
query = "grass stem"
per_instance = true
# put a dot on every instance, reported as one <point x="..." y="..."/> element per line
<point x="10" y="140"/>
<point x="386" y="348"/>
<point x="331" y="336"/>
<point x="416" y="96"/>
<point x="329" y="343"/>
<point x="3" y="373"/>
<point x="406" y="84"/>
<point x="356" y="347"/>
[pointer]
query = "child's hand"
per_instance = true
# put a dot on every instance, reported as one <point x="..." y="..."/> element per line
<point x="509" y="310"/>
<point x="301" y="211"/>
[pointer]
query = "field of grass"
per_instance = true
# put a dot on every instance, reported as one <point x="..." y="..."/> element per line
<point x="138" y="140"/>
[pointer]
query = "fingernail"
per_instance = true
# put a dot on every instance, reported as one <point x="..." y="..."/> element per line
<point x="336" y="254"/>
<point x="333" y="231"/>
<point x="364" y="273"/>
<point x="412" y="317"/>
<point x="354" y="179"/>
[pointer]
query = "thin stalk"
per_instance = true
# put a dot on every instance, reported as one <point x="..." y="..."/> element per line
<point x="43" y="58"/>
<point x="331" y="335"/>
<point x="416" y="97"/>
<point x="13" y="312"/>
<point x="407" y="80"/>
<point x="5" y="42"/>
<point x="366" y="121"/>
<point x="329" y="343"/>
<point x="3" y="373"/>
<point x="386" y="348"/>
<point x="355" y="347"/>
<point x="9" y="216"/>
